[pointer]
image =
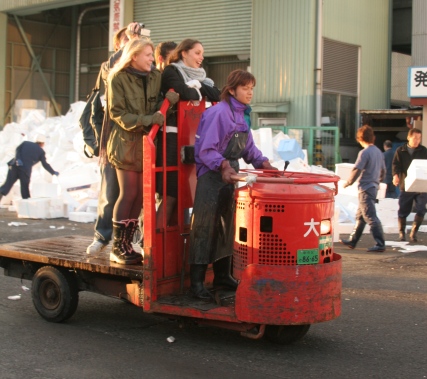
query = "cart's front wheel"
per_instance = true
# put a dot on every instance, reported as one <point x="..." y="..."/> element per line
<point x="285" y="334"/>
<point x="55" y="294"/>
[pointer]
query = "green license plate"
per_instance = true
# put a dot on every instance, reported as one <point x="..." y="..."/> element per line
<point x="307" y="257"/>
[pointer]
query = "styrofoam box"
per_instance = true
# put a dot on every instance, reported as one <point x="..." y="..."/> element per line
<point x="39" y="208"/>
<point x="353" y="190"/>
<point x="42" y="189"/>
<point x="416" y="180"/>
<point x="381" y="191"/>
<point x="290" y="149"/>
<point x="263" y="138"/>
<point x="343" y="170"/>
<point x="81" y="216"/>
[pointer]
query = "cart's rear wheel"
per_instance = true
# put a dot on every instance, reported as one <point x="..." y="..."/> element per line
<point x="285" y="334"/>
<point x="55" y="294"/>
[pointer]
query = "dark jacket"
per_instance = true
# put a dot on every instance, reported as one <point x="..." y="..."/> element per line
<point x="402" y="159"/>
<point x="30" y="153"/>
<point x="171" y="78"/>
<point x="131" y="109"/>
<point x="388" y="159"/>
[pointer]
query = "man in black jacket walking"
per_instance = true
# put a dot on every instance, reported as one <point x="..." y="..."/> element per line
<point x="26" y="156"/>
<point x="401" y="161"/>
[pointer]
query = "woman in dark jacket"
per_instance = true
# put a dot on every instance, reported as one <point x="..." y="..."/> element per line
<point x="186" y="77"/>
<point x="133" y="100"/>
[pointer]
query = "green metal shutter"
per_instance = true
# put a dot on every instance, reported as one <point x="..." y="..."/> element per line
<point x="222" y="26"/>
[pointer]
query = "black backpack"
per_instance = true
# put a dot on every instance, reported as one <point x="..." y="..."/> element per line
<point x="91" y="120"/>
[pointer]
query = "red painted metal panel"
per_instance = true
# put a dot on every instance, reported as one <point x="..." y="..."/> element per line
<point x="275" y="222"/>
<point x="290" y="295"/>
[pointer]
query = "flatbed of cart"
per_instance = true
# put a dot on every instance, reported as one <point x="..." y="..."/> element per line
<point x="68" y="252"/>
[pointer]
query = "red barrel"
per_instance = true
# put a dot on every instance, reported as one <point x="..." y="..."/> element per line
<point x="283" y="225"/>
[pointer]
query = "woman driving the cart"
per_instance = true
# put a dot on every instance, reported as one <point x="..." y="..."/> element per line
<point x="223" y="137"/>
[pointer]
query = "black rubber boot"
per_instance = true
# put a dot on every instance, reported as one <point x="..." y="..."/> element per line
<point x="355" y="235"/>
<point x="119" y="253"/>
<point x="197" y="278"/>
<point x="377" y="233"/>
<point x="222" y="274"/>
<point x="415" y="226"/>
<point x="402" y="228"/>
<point x="131" y="228"/>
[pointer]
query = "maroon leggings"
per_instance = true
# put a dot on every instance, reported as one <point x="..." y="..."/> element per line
<point x="129" y="203"/>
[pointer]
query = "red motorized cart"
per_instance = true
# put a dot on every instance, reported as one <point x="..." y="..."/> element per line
<point x="289" y="276"/>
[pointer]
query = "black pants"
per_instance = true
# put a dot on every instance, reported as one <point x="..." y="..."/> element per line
<point x="212" y="226"/>
<point x="13" y="175"/>
<point x="406" y="199"/>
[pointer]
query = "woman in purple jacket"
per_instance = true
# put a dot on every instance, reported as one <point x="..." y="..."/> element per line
<point x="223" y="137"/>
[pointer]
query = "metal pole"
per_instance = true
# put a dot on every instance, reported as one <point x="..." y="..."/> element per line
<point x="79" y="24"/>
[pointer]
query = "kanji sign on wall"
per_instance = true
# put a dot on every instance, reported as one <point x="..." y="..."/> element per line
<point x="417" y="82"/>
<point x="117" y="10"/>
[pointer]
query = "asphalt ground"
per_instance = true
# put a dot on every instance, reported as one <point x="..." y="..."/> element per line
<point x="381" y="333"/>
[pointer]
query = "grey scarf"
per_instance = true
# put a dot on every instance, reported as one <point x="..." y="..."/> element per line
<point x="189" y="73"/>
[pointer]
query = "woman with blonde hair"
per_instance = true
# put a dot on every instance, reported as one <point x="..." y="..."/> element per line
<point x="133" y="100"/>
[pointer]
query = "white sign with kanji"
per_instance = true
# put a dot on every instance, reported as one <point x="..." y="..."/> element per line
<point x="417" y="82"/>
<point x="117" y="11"/>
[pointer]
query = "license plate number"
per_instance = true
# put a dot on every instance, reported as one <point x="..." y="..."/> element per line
<point x="308" y="256"/>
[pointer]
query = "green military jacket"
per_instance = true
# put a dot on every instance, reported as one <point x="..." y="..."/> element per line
<point x="131" y="109"/>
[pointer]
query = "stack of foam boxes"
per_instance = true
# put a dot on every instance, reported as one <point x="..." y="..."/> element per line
<point x="44" y="204"/>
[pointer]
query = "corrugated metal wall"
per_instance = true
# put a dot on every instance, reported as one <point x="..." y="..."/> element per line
<point x="364" y="23"/>
<point x="419" y="33"/>
<point x="223" y="26"/>
<point x="282" y="58"/>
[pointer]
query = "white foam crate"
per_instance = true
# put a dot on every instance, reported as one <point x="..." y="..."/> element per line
<point x="81" y="216"/>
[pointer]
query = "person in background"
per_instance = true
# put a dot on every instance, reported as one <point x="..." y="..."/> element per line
<point x="391" y="192"/>
<point x="188" y="79"/>
<point x="370" y="167"/>
<point x="162" y="52"/>
<point x="27" y="154"/>
<point x="222" y="138"/>
<point x="401" y="162"/>
<point x="109" y="191"/>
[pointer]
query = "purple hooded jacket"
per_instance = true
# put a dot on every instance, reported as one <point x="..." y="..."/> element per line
<point x="217" y="125"/>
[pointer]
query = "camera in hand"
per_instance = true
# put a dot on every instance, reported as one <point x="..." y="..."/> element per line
<point x="143" y="31"/>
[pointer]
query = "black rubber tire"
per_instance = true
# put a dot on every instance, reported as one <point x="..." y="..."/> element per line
<point x="285" y="334"/>
<point x="55" y="294"/>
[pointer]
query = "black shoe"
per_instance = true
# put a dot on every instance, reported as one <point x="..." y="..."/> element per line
<point x="402" y="237"/>
<point x="227" y="282"/>
<point x="222" y="274"/>
<point x="348" y="243"/>
<point x="119" y="253"/>
<point x="197" y="278"/>
<point x="202" y="294"/>
<point x="376" y="249"/>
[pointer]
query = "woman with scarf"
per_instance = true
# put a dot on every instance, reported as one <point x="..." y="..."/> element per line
<point x="186" y="77"/>
<point x="222" y="138"/>
<point x="133" y="100"/>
